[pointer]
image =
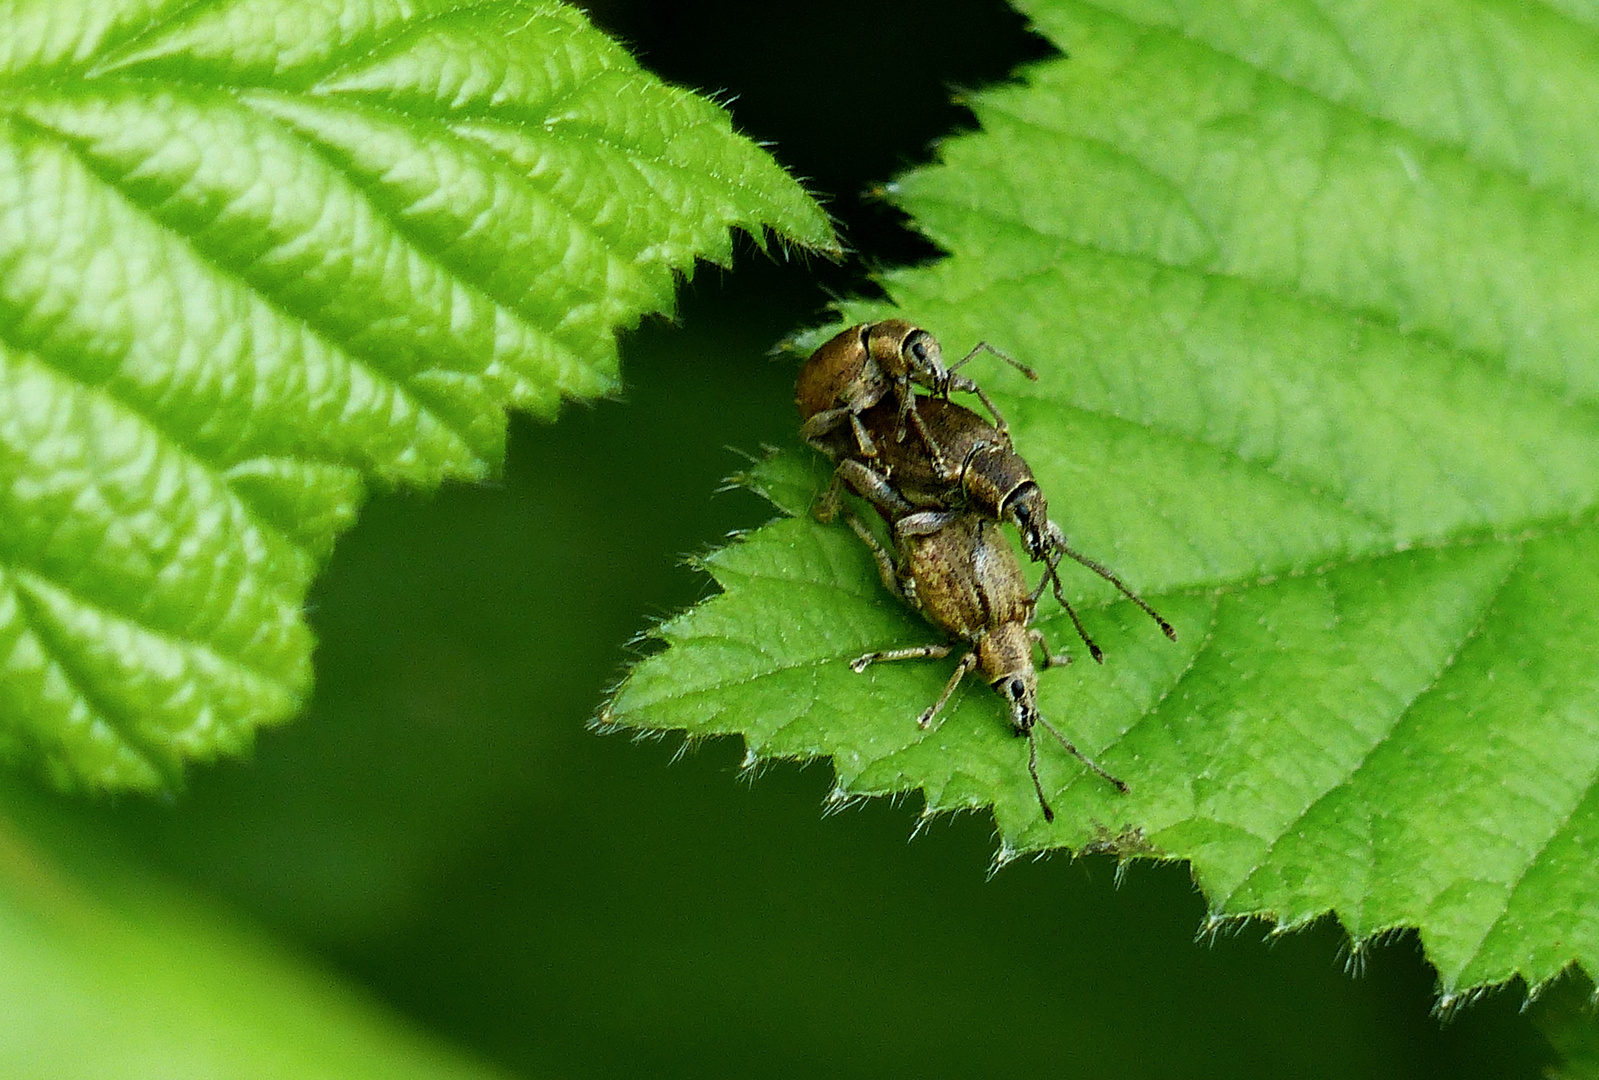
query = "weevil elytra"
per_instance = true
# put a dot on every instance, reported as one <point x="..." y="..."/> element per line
<point x="868" y="363"/>
<point x="982" y="474"/>
<point x="965" y="580"/>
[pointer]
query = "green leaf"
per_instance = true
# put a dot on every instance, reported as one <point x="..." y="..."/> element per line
<point x="1565" y="1016"/>
<point x="109" y="973"/>
<point x="1311" y="294"/>
<point x="256" y="255"/>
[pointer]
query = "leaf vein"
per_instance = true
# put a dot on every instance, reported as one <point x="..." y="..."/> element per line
<point x="1520" y="176"/>
<point x="80" y="681"/>
<point x="272" y="301"/>
<point x="1343" y="784"/>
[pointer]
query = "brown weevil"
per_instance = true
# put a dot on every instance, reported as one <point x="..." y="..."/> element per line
<point x="871" y="362"/>
<point x="982" y="474"/>
<point x="965" y="580"/>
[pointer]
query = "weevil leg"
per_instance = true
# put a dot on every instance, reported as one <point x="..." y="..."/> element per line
<point x="924" y="522"/>
<point x="957" y="382"/>
<point x="824" y="422"/>
<point x="821" y="424"/>
<point x="1050" y="659"/>
<point x="1121" y="785"/>
<point x="907" y="405"/>
<point x="831" y="500"/>
<point x="1057" y="540"/>
<point x="885" y="561"/>
<point x="968" y="662"/>
<point x="862" y="438"/>
<point x="872" y="486"/>
<point x="935" y="453"/>
<point x="888" y="656"/>
<point x="1050" y="580"/>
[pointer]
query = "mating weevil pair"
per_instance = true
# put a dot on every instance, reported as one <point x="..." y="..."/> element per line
<point x="943" y="494"/>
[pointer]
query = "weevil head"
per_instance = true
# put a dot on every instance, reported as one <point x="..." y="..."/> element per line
<point x="1005" y="657"/>
<point x="1026" y="509"/>
<point x="908" y="354"/>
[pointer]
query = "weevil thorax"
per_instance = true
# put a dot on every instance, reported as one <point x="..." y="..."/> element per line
<point x="908" y="354"/>
<point x="1005" y="658"/>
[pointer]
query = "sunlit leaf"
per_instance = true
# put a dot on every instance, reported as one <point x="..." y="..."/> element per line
<point x="255" y="256"/>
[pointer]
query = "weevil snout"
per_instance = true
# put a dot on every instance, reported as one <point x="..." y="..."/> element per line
<point x="1020" y="691"/>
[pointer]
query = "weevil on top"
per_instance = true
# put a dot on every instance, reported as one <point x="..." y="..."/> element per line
<point x="861" y="366"/>
<point x="942" y="495"/>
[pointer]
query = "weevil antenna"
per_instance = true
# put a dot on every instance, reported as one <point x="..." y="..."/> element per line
<point x="1106" y="573"/>
<point x="1121" y="785"/>
<point x="1093" y="649"/>
<point x="1032" y="770"/>
<point x="983" y="346"/>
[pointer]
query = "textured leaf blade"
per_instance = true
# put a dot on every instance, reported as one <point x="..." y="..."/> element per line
<point x="255" y="256"/>
<point x="1316" y="346"/>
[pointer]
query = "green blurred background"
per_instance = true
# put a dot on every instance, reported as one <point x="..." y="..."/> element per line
<point x="441" y="829"/>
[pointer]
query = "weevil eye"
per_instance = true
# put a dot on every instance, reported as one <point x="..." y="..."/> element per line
<point x="1029" y="523"/>
<point x="1015" y="689"/>
<point x="921" y="352"/>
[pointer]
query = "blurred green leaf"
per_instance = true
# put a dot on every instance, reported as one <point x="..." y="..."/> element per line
<point x="108" y="973"/>
<point x="1565" y="1016"/>
<point x="1311" y="294"/>
<point x="255" y="255"/>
